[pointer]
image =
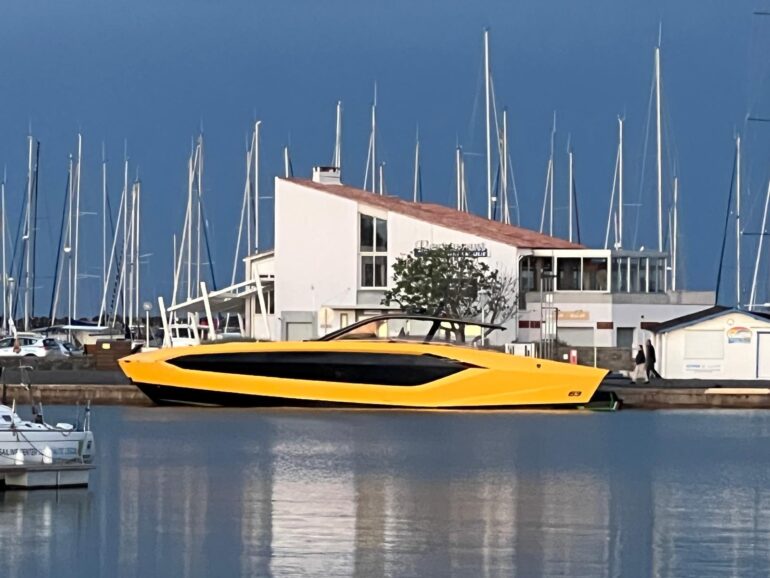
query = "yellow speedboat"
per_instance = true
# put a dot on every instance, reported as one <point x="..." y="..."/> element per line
<point x="398" y="360"/>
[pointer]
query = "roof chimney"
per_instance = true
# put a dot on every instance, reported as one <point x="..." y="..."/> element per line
<point x="327" y="175"/>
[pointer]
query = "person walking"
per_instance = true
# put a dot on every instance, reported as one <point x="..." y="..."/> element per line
<point x="650" y="362"/>
<point x="639" y="369"/>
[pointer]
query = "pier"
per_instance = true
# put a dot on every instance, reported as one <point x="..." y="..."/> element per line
<point x="661" y="394"/>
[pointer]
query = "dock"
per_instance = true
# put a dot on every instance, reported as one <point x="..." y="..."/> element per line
<point x="70" y="388"/>
<point x="691" y="394"/>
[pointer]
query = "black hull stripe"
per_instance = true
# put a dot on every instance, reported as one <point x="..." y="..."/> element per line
<point x="171" y="395"/>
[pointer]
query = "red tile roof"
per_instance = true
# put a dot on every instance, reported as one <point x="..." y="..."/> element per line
<point x="446" y="217"/>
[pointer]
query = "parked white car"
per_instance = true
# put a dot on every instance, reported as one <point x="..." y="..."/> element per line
<point x="31" y="346"/>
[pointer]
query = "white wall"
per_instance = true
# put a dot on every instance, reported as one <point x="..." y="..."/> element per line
<point x="316" y="248"/>
<point x="738" y="361"/>
<point x="602" y="309"/>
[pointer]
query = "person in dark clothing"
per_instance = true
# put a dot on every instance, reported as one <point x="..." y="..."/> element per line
<point x="639" y="369"/>
<point x="650" y="362"/>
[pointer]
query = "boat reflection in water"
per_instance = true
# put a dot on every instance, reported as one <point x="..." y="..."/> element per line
<point x="397" y="360"/>
<point x="200" y="492"/>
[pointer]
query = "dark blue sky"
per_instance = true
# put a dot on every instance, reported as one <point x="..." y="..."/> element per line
<point x="153" y="71"/>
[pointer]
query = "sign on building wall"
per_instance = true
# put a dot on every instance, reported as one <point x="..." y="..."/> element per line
<point x="703" y="367"/>
<point x="574" y="315"/>
<point x="472" y="250"/>
<point x="739" y="335"/>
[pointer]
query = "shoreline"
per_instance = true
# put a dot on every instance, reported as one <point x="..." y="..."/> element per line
<point x="708" y="395"/>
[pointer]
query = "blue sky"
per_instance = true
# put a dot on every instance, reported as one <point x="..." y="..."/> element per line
<point x="153" y="72"/>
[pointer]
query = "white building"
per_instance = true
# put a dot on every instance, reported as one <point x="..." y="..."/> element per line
<point x="600" y="297"/>
<point x="717" y="343"/>
<point x="335" y="246"/>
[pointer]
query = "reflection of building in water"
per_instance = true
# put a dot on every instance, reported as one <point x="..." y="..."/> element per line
<point x="313" y="509"/>
<point x="257" y="510"/>
<point x="371" y="537"/>
<point x="30" y="523"/>
<point x="129" y="500"/>
<point x="703" y="526"/>
<point x="170" y="498"/>
<point x="575" y="524"/>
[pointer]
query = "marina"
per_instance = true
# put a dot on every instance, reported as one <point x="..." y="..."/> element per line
<point x="384" y="289"/>
<point x="282" y="492"/>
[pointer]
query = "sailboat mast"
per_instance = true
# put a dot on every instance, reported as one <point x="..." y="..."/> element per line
<point x="571" y="192"/>
<point x="459" y="176"/>
<point x="488" y="122"/>
<point x="675" y="240"/>
<point x="505" y="216"/>
<point x="138" y="186"/>
<point x="247" y="194"/>
<point x="620" y="184"/>
<point x="659" y="136"/>
<point x="3" y="222"/>
<point x="738" y="221"/>
<point x="188" y="221"/>
<point x="77" y="228"/>
<point x="464" y="184"/>
<point x="130" y="264"/>
<point x="104" y="215"/>
<point x="199" y="217"/>
<point x="374" y="141"/>
<point x="176" y="267"/>
<point x="70" y="229"/>
<point x="552" y="167"/>
<point x="257" y="125"/>
<point x="28" y="231"/>
<point x="752" y="298"/>
<point x="124" y="208"/>
<point x="416" y="181"/>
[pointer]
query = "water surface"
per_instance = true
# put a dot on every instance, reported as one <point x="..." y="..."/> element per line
<point x="218" y="492"/>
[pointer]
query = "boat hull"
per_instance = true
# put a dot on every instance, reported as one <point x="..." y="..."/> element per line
<point x="65" y="446"/>
<point x="357" y="374"/>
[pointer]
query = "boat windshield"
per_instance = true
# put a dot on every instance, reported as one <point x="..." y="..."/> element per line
<point x="414" y="329"/>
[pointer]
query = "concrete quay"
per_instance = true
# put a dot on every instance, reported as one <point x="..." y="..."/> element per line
<point x="71" y="386"/>
<point x="71" y="394"/>
<point x="691" y="393"/>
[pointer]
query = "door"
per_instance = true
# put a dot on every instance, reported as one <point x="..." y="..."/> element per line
<point x="299" y="331"/>
<point x="763" y="355"/>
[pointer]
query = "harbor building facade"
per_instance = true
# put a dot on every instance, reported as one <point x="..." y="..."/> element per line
<point x="598" y="297"/>
<point x="335" y="246"/>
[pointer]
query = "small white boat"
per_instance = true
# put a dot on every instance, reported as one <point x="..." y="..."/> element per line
<point x="25" y="442"/>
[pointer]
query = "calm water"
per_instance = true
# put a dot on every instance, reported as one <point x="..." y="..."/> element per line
<point x="207" y="492"/>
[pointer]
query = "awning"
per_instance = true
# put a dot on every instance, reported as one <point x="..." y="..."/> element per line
<point x="231" y="299"/>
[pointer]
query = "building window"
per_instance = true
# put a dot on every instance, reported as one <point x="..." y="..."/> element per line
<point x="625" y="338"/>
<point x="569" y="274"/>
<point x="373" y="251"/>
<point x="620" y="274"/>
<point x="594" y="274"/>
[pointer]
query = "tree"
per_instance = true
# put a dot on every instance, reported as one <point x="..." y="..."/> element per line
<point x="448" y="279"/>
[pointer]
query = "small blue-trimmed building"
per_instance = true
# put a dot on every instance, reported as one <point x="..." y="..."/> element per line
<point x="716" y="343"/>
